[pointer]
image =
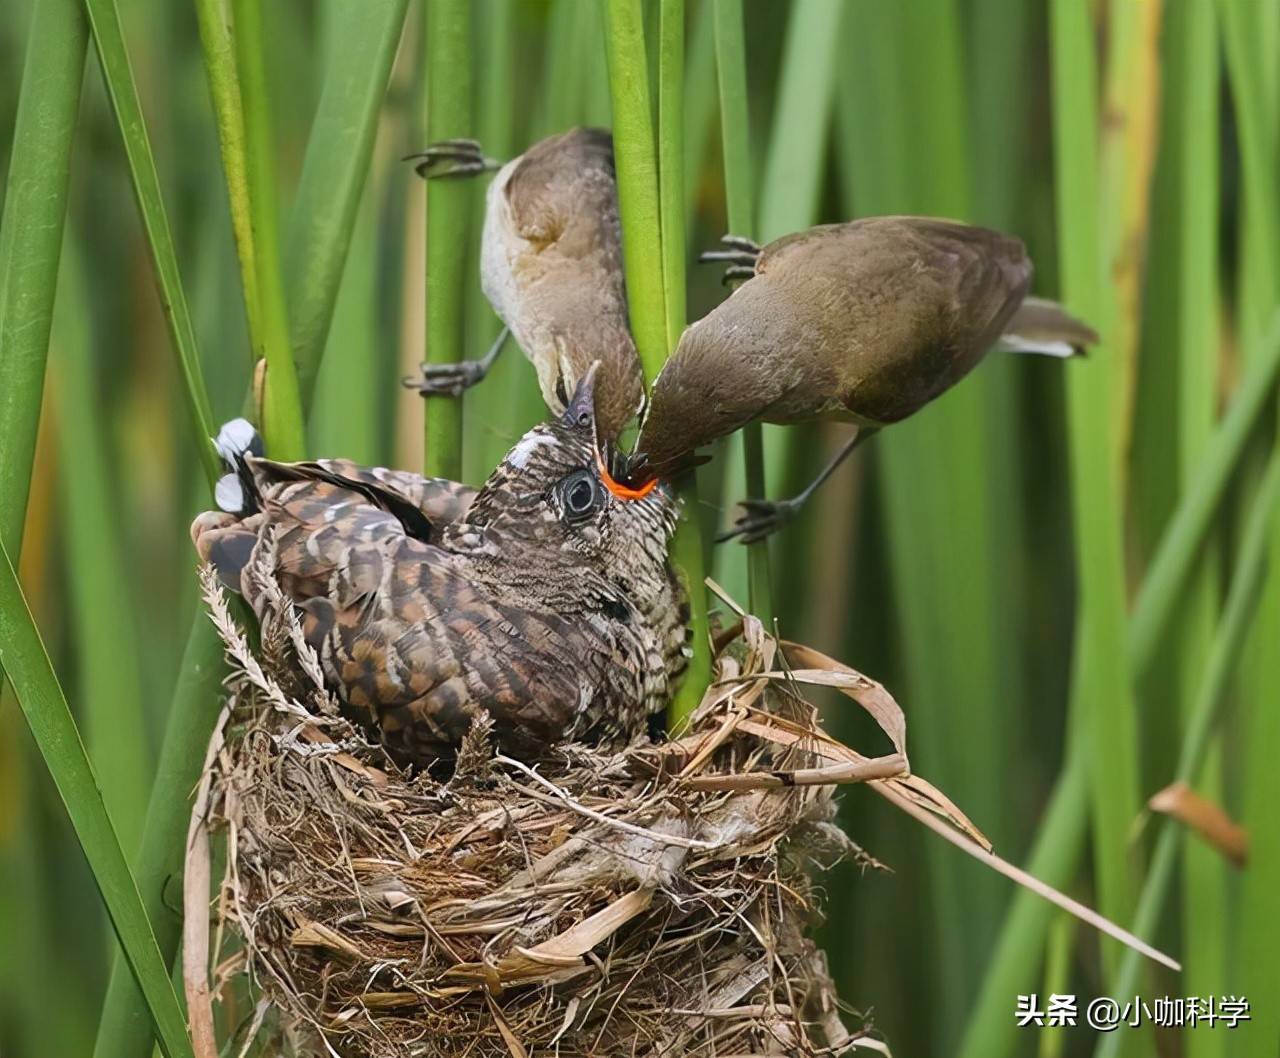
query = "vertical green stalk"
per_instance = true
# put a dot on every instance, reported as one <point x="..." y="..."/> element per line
<point x="108" y="679"/>
<point x="35" y="209"/>
<point x="687" y="547"/>
<point x="1246" y="28"/>
<point x="700" y="99"/>
<point x="1204" y="900"/>
<point x="124" y="1030"/>
<point x="49" y="719"/>
<point x="671" y="165"/>
<point x="228" y="110"/>
<point x="735" y="133"/>
<point x="1125" y="156"/>
<point x="1101" y="686"/>
<point x="788" y="201"/>
<point x="281" y="401"/>
<point x="1249" y="32"/>
<point x="637" y="168"/>
<point x="494" y="410"/>
<point x="31" y="229"/>
<point x="448" y="117"/>
<point x="108" y="37"/>
<point x="334" y="171"/>
<point x="656" y="303"/>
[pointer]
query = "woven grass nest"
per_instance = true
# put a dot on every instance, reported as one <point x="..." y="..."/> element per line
<point x="652" y="901"/>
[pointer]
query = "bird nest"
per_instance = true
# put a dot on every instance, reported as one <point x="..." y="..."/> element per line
<point x="647" y="901"/>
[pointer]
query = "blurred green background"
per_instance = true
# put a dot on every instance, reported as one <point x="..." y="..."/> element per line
<point x="1058" y="569"/>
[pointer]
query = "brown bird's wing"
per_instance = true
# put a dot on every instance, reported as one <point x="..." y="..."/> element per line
<point x="409" y="640"/>
<point x="867" y="321"/>
<point x="423" y="505"/>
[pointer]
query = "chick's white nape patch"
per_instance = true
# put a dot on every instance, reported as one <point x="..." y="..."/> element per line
<point x="520" y="455"/>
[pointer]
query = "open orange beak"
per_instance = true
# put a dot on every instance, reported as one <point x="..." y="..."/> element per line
<point x="580" y="413"/>
<point x="623" y="492"/>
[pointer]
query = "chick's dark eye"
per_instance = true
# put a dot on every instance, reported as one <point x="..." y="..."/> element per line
<point x="581" y="495"/>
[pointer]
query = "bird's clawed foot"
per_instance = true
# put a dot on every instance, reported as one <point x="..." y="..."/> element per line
<point x="739" y="252"/>
<point x="447" y="380"/>
<point x="449" y="158"/>
<point x="452" y="380"/>
<point x="759" y="519"/>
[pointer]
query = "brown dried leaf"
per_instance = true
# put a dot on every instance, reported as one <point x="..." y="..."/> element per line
<point x="1209" y="820"/>
<point x="813" y="666"/>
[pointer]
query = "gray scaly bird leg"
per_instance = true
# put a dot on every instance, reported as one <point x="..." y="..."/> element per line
<point x="452" y="380"/>
<point x="450" y="158"/>
<point x="762" y="517"/>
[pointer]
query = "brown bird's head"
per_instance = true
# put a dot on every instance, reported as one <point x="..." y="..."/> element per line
<point x="553" y="503"/>
<point x="619" y="382"/>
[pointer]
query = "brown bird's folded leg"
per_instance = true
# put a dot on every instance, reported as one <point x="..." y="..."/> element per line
<point x="739" y="252"/>
<point x="452" y="380"/>
<point x="449" y="158"/>
<point x="762" y="517"/>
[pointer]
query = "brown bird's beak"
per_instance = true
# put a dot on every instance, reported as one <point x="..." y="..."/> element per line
<point x="580" y="413"/>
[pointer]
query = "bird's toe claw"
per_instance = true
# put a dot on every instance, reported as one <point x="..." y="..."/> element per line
<point x="445" y="380"/>
<point x="451" y="158"/>
<point x="759" y="518"/>
<point x="739" y="253"/>
<point x="741" y="243"/>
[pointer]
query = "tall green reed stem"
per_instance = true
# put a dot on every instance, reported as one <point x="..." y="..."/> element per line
<point x="108" y="659"/>
<point x="281" y="399"/>
<point x="55" y="733"/>
<point x="228" y="110"/>
<point x="644" y="225"/>
<point x="124" y="1028"/>
<point x="334" y="170"/>
<point x="637" y="168"/>
<point x="448" y="117"/>
<point x="1102" y="681"/>
<point x="735" y="133"/>
<point x="35" y="208"/>
<point x="1204" y="903"/>
<point x="687" y="547"/>
<point x="108" y="38"/>
<point x="31" y="229"/>
<point x="1249" y="34"/>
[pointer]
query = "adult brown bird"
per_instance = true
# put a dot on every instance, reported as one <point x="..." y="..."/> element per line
<point x="866" y="322"/>
<point x="545" y="599"/>
<point x="551" y="266"/>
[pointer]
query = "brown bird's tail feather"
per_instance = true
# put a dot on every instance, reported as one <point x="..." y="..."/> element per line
<point x="1045" y="327"/>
